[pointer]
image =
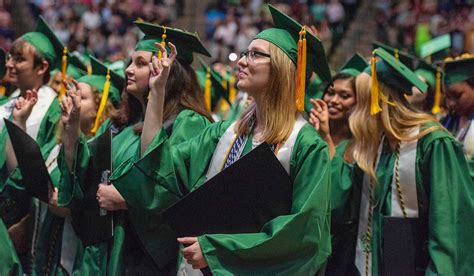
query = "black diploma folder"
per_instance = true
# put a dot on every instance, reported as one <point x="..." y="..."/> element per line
<point x="404" y="246"/>
<point x="35" y="176"/>
<point x="90" y="226"/>
<point x="239" y="199"/>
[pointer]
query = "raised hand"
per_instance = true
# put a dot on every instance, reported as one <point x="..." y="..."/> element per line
<point x="71" y="105"/>
<point x="160" y="69"/>
<point x="319" y="117"/>
<point x="24" y="106"/>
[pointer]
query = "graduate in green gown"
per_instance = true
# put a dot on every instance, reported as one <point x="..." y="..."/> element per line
<point x="9" y="261"/>
<point x="330" y="117"/>
<point x="297" y="243"/>
<point x="33" y="56"/>
<point x="55" y="241"/>
<point x="185" y="117"/>
<point x="459" y="92"/>
<point x="408" y="167"/>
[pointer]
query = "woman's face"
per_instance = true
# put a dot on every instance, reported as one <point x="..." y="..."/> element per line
<point x="138" y="74"/>
<point x="460" y="98"/>
<point x="88" y="107"/>
<point x="340" y="99"/>
<point x="254" y="68"/>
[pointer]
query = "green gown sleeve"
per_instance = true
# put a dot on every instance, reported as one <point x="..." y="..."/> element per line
<point x="294" y="244"/>
<point x="451" y="207"/>
<point x="9" y="261"/>
<point x="146" y="199"/>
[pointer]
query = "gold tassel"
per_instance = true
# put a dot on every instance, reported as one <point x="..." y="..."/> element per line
<point x="437" y="96"/>
<point x="163" y="42"/>
<point x="374" y="103"/>
<point x="232" y="91"/>
<point x="301" y="70"/>
<point x="103" y="102"/>
<point x="207" y="90"/>
<point x="89" y="69"/>
<point x="62" y="89"/>
<point x="3" y="89"/>
<point x="396" y="55"/>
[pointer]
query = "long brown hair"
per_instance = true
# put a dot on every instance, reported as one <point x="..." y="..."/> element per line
<point x="395" y="121"/>
<point x="182" y="92"/>
<point x="278" y="106"/>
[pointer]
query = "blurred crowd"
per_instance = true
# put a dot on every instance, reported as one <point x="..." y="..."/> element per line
<point x="105" y="29"/>
<point x="407" y="24"/>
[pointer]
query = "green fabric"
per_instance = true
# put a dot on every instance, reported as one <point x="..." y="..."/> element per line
<point x="110" y="256"/>
<point x="9" y="261"/>
<point x="98" y="79"/>
<point x="458" y="70"/>
<point x="395" y="74"/>
<point x="218" y="91"/>
<point x="444" y="190"/>
<point x="313" y="91"/>
<point x="354" y="66"/>
<point x="298" y="243"/>
<point x="285" y="35"/>
<point x="45" y="42"/>
<point x="435" y="45"/>
<point x="404" y="57"/>
<point x="186" y="43"/>
<point x="427" y="71"/>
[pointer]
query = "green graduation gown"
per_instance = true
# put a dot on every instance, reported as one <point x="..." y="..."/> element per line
<point x="9" y="261"/>
<point x="109" y="257"/>
<point x="298" y="243"/>
<point x="445" y="202"/>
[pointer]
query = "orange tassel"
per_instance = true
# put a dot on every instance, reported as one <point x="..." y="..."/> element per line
<point x="207" y="90"/>
<point x="62" y="89"/>
<point x="301" y="70"/>
<point x="374" y="95"/>
<point x="437" y="96"/>
<point x="103" y="102"/>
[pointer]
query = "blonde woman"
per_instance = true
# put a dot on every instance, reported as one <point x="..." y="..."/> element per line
<point x="297" y="243"/>
<point x="414" y="173"/>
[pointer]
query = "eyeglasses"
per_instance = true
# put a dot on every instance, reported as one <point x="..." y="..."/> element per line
<point x="251" y="55"/>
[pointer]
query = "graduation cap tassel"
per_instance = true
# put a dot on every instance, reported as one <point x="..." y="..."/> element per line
<point x="62" y="90"/>
<point x="89" y="69"/>
<point x="163" y="42"/>
<point x="396" y="54"/>
<point x="301" y="70"/>
<point x="103" y="102"/>
<point x="437" y="96"/>
<point x="374" y="103"/>
<point x="232" y="91"/>
<point x="207" y="90"/>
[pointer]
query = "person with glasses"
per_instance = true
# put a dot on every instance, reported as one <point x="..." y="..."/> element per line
<point x="271" y="72"/>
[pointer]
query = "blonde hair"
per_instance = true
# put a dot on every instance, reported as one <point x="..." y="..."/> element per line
<point x="394" y="121"/>
<point x="278" y="107"/>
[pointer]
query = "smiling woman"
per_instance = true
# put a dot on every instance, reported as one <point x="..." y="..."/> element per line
<point x="297" y="243"/>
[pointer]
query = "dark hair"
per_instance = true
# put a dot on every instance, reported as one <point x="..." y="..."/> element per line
<point x="182" y="92"/>
<point x="18" y="48"/>
<point x="343" y="76"/>
<point x="470" y="81"/>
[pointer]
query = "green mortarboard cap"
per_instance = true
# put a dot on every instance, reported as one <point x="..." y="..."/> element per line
<point x="186" y="43"/>
<point x="314" y="91"/>
<point x="403" y="56"/>
<point x="285" y="35"/>
<point x="459" y="69"/>
<point x="354" y="66"/>
<point x="117" y="66"/>
<point x="98" y="79"/>
<point x="435" y="45"/>
<point x="2" y="63"/>
<point x="218" y="90"/>
<point x="45" y="42"/>
<point x="426" y="71"/>
<point x="395" y="74"/>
